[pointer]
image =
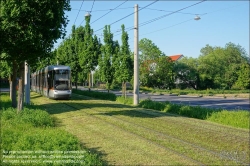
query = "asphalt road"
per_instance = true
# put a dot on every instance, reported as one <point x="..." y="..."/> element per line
<point x="210" y="102"/>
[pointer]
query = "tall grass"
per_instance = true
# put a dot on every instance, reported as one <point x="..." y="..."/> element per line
<point x="123" y="100"/>
<point x="33" y="130"/>
<point x="193" y="91"/>
<point x="237" y="118"/>
<point x="232" y="118"/>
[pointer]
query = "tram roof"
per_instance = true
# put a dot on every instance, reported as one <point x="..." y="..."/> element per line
<point x="57" y="67"/>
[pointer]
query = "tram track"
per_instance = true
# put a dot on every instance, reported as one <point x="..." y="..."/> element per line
<point x="161" y="135"/>
<point x="192" y="121"/>
<point x="141" y="137"/>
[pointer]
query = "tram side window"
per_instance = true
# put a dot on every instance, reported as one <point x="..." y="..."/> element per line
<point x="50" y="79"/>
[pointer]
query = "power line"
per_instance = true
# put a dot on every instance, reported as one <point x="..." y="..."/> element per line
<point x="92" y="6"/>
<point x="128" y="15"/>
<point x="157" y="18"/>
<point x="172" y="11"/>
<point x="109" y="11"/>
<point x="187" y="20"/>
<point x="78" y="12"/>
<point x="104" y="9"/>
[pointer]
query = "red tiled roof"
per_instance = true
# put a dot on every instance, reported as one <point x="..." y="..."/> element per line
<point x="175" y="57"/>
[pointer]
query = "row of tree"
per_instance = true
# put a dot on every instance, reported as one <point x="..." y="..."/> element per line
<point x="84" y="52"/>
<point x="216" y="68"/>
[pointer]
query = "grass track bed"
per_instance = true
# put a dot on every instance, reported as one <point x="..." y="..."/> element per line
<point x="127" y="135"/>
<point x="166" y="141"/>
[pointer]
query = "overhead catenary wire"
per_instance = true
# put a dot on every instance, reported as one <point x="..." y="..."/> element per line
<point x="128" y="15"/>
<point x="158" y="18"/>
<point x="92" y="6"/>
<point x="105" y="9"/>
<point x="182" y="22"/>
<point x="108" y="12"/>
<point x="78" y="13"/>
<point x="172" y="11"/>
<point x="186" y="21"/>
<point x="101" y="35"/>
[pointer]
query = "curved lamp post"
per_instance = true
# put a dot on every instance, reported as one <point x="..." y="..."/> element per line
<point x="197" y="18"/>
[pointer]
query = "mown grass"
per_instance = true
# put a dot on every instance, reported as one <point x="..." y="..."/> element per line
<point x="99" y="95"/>
<point x="32" y="131"/>
<point x="127" y="135"/>
<point x="237" y="118"/>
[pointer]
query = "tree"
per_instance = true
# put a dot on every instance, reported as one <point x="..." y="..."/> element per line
<point x="148" y="50"/>
<point x="29" y="29"/>
<point x="163" y="73"/>
<point x="186" y="72"/>
<point x="5" y="69"/>
<point x="219" y="68"/>
<point x="124" y="72"/>
<point x="243" y="81"/>
<point x="149" y="54"/>
<point x="88" y="57"/>
<point x="68" y="52"/>
<point x="105" y="61"/>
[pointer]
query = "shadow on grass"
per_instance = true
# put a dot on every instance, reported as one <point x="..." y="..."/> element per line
<point x="140" y="113"/>
<point x="96" y="150"/>
<point x="106" y="109"/>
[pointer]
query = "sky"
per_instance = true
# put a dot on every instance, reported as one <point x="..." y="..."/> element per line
<point x="176" y="32"/>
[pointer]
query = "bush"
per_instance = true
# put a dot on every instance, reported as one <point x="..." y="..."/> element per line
<point x="148" y="103"/>
<point x="35" y="117"/>
<point x="32" y="130"/>
<point x="121" y="99"/>
<point x="231" y="118"/>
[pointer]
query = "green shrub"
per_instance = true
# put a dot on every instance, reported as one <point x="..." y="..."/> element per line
<point x="35" y="117"/>
<point x="32" y="130"/>
<point x="121" y="99"/>
<point x="152" y="105"/>
<point x="231" y="118"/>
<point x="172" y="108"/>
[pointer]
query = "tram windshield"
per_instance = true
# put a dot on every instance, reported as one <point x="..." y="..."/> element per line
<point x="61" y="74"/>
<point x="62" y="81"/>
<point x="62" y="85"/>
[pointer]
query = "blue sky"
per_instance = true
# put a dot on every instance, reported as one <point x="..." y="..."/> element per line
<point x="221" y="22"/>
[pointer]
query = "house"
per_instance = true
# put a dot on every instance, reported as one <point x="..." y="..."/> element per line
<point x="176" y="57"/>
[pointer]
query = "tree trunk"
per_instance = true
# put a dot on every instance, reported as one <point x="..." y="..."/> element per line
<point x="89" y="81"/>
<point x="10" y="82"/>
<point x="125" y="90"/>
<point x="21" y="89"/>
<point x="76" y="80"/>
<point x="122" y="89"/>
<point x="13" y="85"/>
<point x="20" y="94"/>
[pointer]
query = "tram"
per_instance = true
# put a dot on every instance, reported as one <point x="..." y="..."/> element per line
<point x="53" y="82"/>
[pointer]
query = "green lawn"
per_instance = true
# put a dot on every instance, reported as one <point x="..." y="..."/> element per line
<point x="126" y="135"/>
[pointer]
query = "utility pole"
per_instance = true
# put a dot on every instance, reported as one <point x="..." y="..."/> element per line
<point x="27" y="82"/>
<point x="136" y="61"/>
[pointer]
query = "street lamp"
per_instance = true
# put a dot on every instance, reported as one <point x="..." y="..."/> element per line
<point x="87" y="14"/>
<point x="197" y="18"/>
